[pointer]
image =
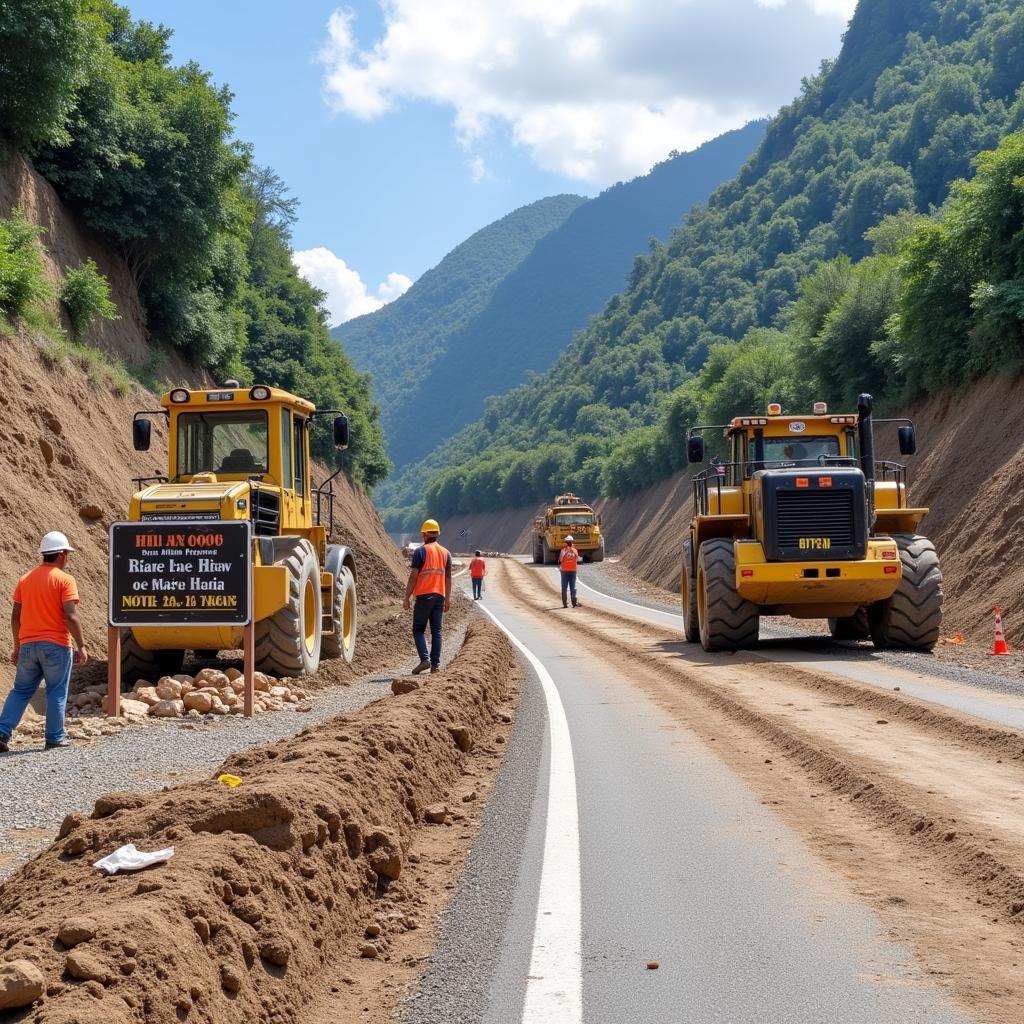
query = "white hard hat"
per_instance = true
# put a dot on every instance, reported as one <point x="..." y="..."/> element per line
<point x="568" y="538"/>
<point x="54" y="541"/>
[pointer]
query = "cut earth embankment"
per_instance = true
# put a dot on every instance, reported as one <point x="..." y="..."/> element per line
<point x="270" y="880"/>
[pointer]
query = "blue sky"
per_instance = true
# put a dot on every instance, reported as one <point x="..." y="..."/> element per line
<point x="403" y="133"/>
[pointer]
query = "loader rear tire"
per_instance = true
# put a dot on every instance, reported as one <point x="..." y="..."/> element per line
<point x="538" y="551"/>
<point x="851" y="627"/>
<point x="288" y="642"/>
<point x="342" y="644"/>
<point x="688" y="588"/>
<point x="728" y="622"/>
<point x="911" y="618"/>
<point x="138" y="663"/>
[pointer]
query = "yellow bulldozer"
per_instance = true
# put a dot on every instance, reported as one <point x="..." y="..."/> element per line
<point x="797" y="517"/>
<point x="567" y="516"/>
<point x="244" y="453"/>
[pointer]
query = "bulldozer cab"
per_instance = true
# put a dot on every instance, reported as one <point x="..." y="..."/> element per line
<point x="259" y="435"/>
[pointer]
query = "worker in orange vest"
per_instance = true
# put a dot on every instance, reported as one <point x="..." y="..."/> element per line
<point x="568" y="559"/>
<point x="430" y="581"/>
<point x="477" y="572"/>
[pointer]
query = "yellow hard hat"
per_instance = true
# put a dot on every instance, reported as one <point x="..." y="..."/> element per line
<point x="430" y="526"/>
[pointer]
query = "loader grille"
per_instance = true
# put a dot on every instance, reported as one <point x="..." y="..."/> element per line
<point x="820" y="514"/>
<point x="814" y="515"/>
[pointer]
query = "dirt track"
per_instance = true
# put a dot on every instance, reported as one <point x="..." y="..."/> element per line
<point x="919" y="807"/>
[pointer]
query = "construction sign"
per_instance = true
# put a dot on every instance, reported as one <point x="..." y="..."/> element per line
<point x="180" y="574"/>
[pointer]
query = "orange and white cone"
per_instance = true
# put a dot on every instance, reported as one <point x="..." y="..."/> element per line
<point x="999" y="647"/>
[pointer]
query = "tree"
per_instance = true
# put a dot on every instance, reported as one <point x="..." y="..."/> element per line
<point x="47" y="51"/>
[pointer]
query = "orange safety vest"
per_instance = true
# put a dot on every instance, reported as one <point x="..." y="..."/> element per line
<point x="568" y="559"/>
<point x="478" y="568"/>
<point x="431" y="576"/>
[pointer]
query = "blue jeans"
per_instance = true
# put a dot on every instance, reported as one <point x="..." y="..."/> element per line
<point x="478" y="585"/>
<point x="39" y="661"/>
<point x="569" y="583"/>
<point x="428" y="610"/>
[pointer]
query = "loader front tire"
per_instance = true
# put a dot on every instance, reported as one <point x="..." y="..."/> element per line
<point x="538" y="551"/>
<point x="288" y="642"/>
<point x="550" y="554"/>
<point x="598" y="554"/>
<point x="342" y="644"/>
<point x="911" y="618"/>
<point x="688" y="589"/>
<point x="138" y="663"/>
<point x="728" y="622"/>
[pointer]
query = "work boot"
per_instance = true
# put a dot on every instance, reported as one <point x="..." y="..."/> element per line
<point x="4" y="745"/>
<point x="58" y="745"/>
<point x="423" y="666"/>
<point x="435" y="668"/>
<point x="564" y="604"/>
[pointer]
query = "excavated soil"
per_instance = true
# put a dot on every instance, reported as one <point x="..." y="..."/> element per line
<point x="273" y="883"/>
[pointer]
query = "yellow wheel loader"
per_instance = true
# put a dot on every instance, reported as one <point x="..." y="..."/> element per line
<point x="243" y="454"/>
<point x="797" y="517"/>
<point x="567" y="516"/>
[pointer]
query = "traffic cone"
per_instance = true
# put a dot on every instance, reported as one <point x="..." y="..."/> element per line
<point x="999" y="647"/>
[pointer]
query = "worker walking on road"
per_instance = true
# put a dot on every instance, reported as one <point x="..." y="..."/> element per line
<point x="430" y="581"/>
<point x="477" y="572"/>
<point x="44" y="622"/>
<point x="568" y="559"/>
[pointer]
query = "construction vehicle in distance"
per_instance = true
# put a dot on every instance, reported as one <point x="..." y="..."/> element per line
<point x="567" y="516"/>
<point x="802" y="520"/>
<point x="243" y="453"/>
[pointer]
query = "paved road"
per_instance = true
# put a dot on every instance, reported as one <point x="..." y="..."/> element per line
<point x="673" y="860"/>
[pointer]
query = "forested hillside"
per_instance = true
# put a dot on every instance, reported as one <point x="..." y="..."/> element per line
<point x="144" y="152"/>
<point x="400" y="342"/>
<point x="834" y="262"/>
<point x="567" y="277"/>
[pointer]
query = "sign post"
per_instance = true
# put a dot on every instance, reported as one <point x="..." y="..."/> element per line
<point x="179" y="574"/>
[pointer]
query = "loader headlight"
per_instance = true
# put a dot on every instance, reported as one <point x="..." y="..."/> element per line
<point x="259" y="393"/>
<point x="179" y="395"/>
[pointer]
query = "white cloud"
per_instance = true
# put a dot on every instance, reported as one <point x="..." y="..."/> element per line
<point x="594" y="89"/>
<point x="347" y="294"/>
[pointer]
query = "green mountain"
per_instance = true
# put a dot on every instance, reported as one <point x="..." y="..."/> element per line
<point x="851" y="171"/>
<point x="398" y="343"/>
<point x="567" y="277"/>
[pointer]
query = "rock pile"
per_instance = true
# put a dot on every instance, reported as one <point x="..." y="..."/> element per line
<point x="208" y="694"/>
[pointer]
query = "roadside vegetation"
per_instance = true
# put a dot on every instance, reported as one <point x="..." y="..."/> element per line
<point x="144" y="151"/>
<point x="865" y="246"/>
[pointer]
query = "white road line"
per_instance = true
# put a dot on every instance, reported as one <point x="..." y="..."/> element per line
<point x="628" y="604"/>
<point x="554" y="991"/>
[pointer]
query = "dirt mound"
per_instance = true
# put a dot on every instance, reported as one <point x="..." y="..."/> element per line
<point x="268" y="879"/>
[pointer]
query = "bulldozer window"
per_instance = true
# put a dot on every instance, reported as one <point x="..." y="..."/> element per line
<point x="780" y="452"/>
<point x="299" y="433"/>
<point x="223" y="443"/>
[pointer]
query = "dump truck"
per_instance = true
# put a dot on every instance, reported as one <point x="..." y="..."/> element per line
<point x="797" y="517"/>
<point x="567" y="516"/>
<point x="238" y="453"/>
